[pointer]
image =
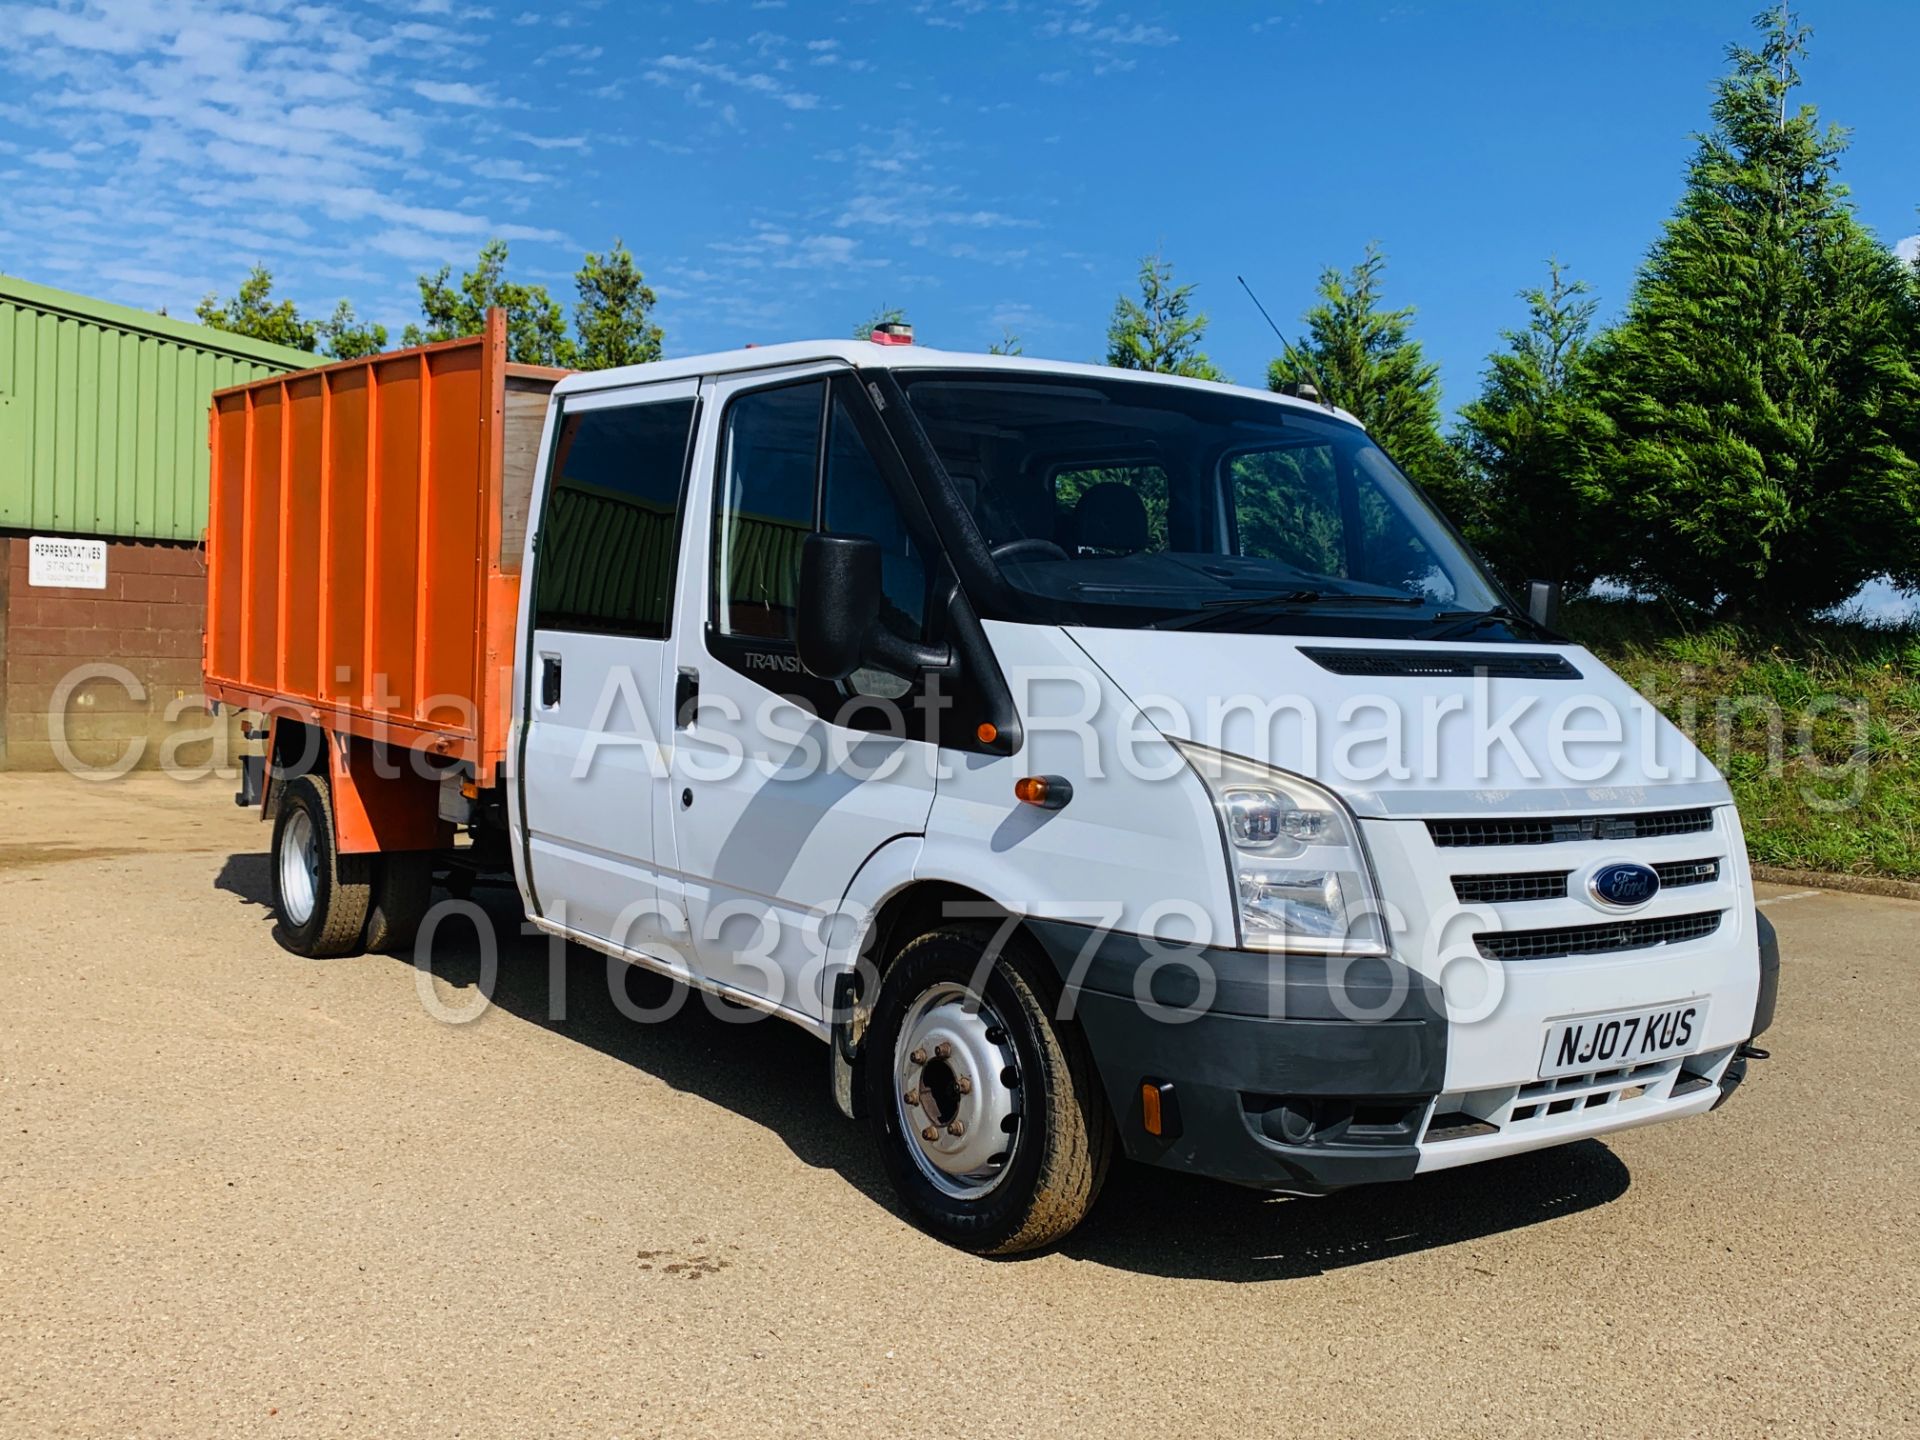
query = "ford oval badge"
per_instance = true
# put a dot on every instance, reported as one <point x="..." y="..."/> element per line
<point x="1623" y="886"/>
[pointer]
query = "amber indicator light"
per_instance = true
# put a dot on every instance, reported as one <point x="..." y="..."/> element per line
<point x="1049" y="792"/>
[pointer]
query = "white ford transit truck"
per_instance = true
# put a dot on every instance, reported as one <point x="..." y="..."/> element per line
<point x="1099" y="763"/>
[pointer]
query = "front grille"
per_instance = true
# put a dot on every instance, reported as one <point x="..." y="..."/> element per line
<point x="1506" y="889"/>
<point x="1675" y="873"/>
<point x="1549" y="830"/>
<point x="1512" y="888"/>
<point x="1452" y="663"/>
<point x="1603" y="939"/>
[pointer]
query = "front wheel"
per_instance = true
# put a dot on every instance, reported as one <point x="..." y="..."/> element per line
<point x="987" y="1111"/>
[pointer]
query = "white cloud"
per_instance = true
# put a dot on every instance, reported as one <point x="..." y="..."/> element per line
<point x="903" y="213"/>
<point x="179" y="141"/>
<point x="576" y="52"/>
<point x="454" y="92"/>
<point x="1103" y="46"/>
<point x="758" y="82"/>
<point x="1909" y="248"/>
<point x="494" y="167"/>
<point x="551" y="142"/>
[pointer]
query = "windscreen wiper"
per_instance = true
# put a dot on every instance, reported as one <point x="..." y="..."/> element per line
<point x="1217" y="609"/>
<point x="1449" y="624"/>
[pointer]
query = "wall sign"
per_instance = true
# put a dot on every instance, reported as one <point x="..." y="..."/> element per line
<point x="67" y="564"/>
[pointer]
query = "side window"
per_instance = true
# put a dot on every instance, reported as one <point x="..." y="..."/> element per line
<point x="765" y="508"/>
<point x="795" y="461"/>
<point x="858" y="502"/>
<point x="610" y="521"/>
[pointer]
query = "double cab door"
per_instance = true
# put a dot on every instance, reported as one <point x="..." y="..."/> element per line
<point x="692" y="796"/>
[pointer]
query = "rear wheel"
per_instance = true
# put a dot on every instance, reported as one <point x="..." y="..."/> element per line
<point x="987" y="1111"/>
<point x="320" y="894"/>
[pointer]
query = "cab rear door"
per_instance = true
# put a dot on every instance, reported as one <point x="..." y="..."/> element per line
<point x="597" y="627"/>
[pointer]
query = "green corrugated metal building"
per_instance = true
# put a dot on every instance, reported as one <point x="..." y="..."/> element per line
<point x="103" y="413"/>
<point x="103" y="439"/>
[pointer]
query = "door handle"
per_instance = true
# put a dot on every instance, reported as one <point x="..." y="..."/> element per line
<point x="549" y="680"/>
<point x="686" y="696"/>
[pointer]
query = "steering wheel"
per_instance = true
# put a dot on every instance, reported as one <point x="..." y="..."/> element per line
<point x="1029" y="547"/>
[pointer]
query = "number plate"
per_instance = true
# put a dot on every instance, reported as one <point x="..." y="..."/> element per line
<point x="1625" y="1037"/>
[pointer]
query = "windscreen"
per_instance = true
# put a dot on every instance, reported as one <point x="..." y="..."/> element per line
<point x="1134" y="503"/>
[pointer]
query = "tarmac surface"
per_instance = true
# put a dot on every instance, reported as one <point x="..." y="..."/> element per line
<point x="244" y="1193"/>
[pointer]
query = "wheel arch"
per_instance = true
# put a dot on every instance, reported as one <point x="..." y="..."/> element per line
<point x="294" y="748"/>
<point x="891" y="899"/>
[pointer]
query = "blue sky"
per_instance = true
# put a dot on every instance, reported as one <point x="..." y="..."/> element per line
<point x="780" y="169"/>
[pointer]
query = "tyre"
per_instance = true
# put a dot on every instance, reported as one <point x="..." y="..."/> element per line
<point x="321" y="896"/>
<point x="402" y="891"/>
<point x="987" y="1111"/>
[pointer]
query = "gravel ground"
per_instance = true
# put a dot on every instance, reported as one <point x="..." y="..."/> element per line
<point x="242" y="1193"/>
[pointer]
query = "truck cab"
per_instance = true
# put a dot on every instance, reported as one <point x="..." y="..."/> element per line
<point x="1105" y="763"/>
<point x="1099" y="763"/>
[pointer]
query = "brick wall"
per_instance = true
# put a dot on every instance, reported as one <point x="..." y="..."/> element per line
<point x="145" y="626"/>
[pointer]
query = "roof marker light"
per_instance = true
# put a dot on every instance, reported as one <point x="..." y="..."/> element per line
<point x="892" y="332"/>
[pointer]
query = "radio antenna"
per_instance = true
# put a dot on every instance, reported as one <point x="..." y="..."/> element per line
<point x="1288" y="344"/>
<point x="1303" y="389"/>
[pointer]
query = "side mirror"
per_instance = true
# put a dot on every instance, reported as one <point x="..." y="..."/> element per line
<point x="837" y="626"/>
<point x="838" y="604"/>
<point x="1543" y="602"/>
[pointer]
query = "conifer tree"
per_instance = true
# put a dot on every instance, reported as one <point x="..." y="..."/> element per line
<point x="1525" y="442"/>
<point x="1759" y="392"/>
<point x="1161" y="331"/>
<point x="1364" y="359"/>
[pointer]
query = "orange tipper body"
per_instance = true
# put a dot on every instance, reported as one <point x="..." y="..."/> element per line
<point x="363" y="547"/>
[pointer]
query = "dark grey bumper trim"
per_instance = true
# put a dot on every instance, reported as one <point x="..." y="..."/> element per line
<point x="1265" y="1034"/>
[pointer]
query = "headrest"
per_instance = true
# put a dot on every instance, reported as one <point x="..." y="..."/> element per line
<point x="1109" y="516"/>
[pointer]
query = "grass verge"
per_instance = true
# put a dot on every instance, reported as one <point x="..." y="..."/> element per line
<point x="1816" y="726"/>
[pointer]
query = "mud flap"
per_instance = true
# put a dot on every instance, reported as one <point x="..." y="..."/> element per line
<point x="849" y="1027"/>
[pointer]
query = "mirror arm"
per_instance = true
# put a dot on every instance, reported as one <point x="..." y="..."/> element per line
<point x="906" y="658"/>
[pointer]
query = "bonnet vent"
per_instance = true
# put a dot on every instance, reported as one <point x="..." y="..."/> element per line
<point x="1527" y="665"/>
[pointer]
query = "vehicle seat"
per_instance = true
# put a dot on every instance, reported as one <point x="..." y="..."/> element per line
<point x="1110" y="516"/>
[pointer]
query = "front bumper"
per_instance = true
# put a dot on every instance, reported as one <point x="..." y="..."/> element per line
<point x="1291" y="1072"/>
<point x="1736" y="1070"/>
<point x="1272" y="1082"/>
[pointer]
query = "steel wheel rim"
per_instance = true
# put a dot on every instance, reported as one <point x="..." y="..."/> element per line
<point x="299" y="867"/>
<point x="959" y="1108"/>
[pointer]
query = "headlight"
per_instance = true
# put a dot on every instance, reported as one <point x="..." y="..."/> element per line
<point x="1300" y="878"/>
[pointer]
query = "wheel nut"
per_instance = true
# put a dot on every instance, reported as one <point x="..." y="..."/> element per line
<point x="919" y="1057"/>
<point x="943" y="1050"/>
<point x="964" y="1084"/>
<point x="912" y="1097"/>
<point x="956" y="1127"/>
<point x="932" y="1132"/>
